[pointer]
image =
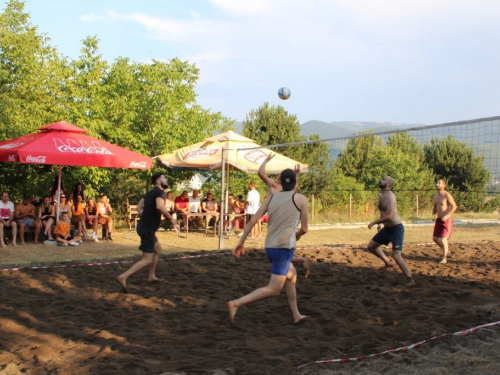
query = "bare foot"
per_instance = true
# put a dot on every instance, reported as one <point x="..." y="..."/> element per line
<point x="410" y="281"/>
<point x="232" y="309"/>
<point x="23" y="243"/>
<point x="300" y="319"/>
<point x="260" y="235"/>
<point x="307" y="265"/>
<point x="155" y="280"/>
<point x="2" y="244"/>
<point x="122" y="283"/>
<point x="444" y="261"/>
<point x="390" y="265"/>
<point x="14" y="244"/>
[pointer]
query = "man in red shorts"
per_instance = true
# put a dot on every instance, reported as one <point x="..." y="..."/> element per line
<point x="444" y="207"/>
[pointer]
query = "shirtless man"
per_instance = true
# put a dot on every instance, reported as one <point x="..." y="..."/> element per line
<point x="286" y="209"/>
<point x="393" y="230"/>
<point x="275" y="186"/>
<point x="444" y="207"/>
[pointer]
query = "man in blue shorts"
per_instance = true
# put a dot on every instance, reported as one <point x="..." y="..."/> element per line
<point x="150" y="209"/>
<point x="285" y="210"/>
<point x="393" y="230"/>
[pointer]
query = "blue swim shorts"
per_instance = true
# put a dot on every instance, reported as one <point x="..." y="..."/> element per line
<point x="394" y="235"/>
<point x="280" y="260"/>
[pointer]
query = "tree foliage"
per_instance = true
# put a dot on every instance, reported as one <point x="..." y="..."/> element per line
<point x="274" y="125"/>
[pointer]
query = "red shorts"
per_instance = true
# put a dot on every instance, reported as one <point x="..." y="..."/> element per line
<point x="443" y="229"/>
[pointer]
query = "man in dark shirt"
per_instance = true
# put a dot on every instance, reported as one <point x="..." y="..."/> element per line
<point x="150" y="209"/>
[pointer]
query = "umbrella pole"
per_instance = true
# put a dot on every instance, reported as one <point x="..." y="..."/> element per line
<point x="221" y="218"/>
<point x="58" y="194"/>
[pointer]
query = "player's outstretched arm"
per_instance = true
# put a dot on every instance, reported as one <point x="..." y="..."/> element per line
<point x="264" y="177"/>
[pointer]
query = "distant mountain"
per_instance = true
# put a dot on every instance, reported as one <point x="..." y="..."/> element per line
<point x="341" y="129"/>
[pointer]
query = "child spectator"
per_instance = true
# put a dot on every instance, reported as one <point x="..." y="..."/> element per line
<point x="61" y="232"/>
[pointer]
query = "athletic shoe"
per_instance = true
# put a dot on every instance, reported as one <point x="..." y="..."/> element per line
<point x="109" y="237"/>
<point x="94" y="237"/>
<point x="73" y="244"/>
<point x="80" y="241"/>
<point x="62" y="244"/>
<point x="87" y="235"/>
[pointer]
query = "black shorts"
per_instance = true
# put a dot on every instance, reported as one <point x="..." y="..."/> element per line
<point x="249" y="217"/>
<point x="148" y="238"/>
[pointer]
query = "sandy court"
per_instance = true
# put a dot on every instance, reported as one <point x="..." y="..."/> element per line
<point x="76" y="321"/>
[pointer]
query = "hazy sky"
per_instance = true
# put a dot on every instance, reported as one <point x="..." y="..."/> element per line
<point x="405" y="61"/>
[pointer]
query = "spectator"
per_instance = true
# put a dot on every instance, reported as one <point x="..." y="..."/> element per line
<point x="6" y="219"/>
<point x="104" y="211"/>
<point x="47" y="217"/>
<point x="252" y="204"/>
<point x="25" y="215"/>
<point x="91" y="217"/>
<point x="182" y="207"/>
<point x="78" y="216"/>
<point x="78" y="191"/>
<point x="53" y="189"/>
<point x="209" y="206"/>
<point x="64" y="206"/>
<point x="194" y="207"/>
<point x="62" y="234"/>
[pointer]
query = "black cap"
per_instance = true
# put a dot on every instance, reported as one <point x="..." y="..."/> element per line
<point x="288" y="179"/>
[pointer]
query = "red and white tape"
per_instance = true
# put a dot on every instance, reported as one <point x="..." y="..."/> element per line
<point x="104" y="263"/>
<point x="403" y="348"/>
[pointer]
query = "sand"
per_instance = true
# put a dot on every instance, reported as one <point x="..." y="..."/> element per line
<point x="76" y="320"/>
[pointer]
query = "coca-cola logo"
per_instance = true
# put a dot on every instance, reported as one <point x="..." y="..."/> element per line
<point x="41" y="159"/>
<point x="200" y="153"/>
<point x="138" y="164"/>
<point x="253" y="156"/>
<point x="11" y="145"/>
<point x="84" y="147"/>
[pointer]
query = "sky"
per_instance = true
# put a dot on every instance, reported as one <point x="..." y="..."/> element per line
<point x="403" y="61"/>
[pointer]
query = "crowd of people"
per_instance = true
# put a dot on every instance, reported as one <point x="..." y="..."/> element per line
<point x="77" y="210"/>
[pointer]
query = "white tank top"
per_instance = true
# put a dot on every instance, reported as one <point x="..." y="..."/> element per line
<point x="284" y="218"/>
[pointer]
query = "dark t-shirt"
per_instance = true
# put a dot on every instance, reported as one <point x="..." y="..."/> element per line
<point x="151" y="217"/>
<point x="209" y="204"/>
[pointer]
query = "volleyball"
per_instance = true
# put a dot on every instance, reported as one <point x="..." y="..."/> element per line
<point x="284" y="93"/>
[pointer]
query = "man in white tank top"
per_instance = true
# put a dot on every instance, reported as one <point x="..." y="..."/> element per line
<point x="286" y="209"/>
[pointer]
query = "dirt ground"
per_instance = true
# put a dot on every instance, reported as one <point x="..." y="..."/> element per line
<point x="65" y="319"/>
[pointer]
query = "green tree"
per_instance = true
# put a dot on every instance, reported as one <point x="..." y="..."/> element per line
<point x="356" y="154"/>
<point x="462" y="170"/>
<point x="274" y="125"/>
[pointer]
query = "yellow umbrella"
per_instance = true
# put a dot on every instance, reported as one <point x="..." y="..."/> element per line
<point x="240" y="153"/>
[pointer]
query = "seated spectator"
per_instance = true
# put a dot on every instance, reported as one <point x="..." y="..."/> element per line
<point x="78" y="216"/>
<point x="182" y="208"/>
<point x="209" y="206"/>
<point x="91" y="217"/>
<point x="7" y="219"/>
<point x="47" y="217"/>
<point x="25" y="215"/>
<point x="240" y="203"/>
<point x="194" y="207"/>
<point x="78" y="191"/>
<point x="104" y="212"/>
<point x="62" y="234"/>
<point x="64" y="206"/>
<point x="169" y="202"/>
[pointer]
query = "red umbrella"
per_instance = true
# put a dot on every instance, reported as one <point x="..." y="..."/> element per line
<point x="65" y="144"/>
<point x="61" y="143"/>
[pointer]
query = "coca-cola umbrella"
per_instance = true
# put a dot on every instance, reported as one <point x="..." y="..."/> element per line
<point x="62" y="143"/>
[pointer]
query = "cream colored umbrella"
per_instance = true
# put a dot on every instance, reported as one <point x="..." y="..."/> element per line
<point x="227" y="151"/>
<point x="240" y="153"/>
